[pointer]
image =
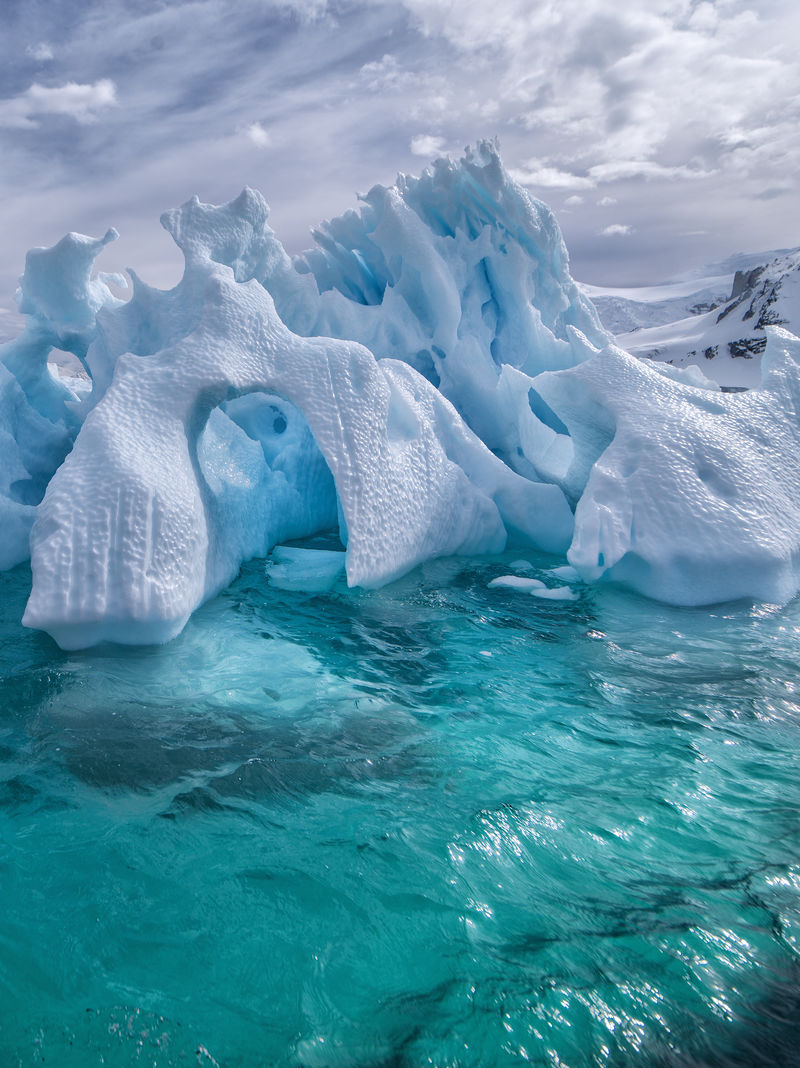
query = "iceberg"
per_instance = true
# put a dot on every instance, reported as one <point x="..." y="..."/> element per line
<point x="688" y="495"/>
<point x="38" y="423"/>
<point x="428" y="381"/>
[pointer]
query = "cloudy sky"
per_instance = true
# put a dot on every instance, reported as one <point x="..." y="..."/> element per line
<point x="663" y="136"/>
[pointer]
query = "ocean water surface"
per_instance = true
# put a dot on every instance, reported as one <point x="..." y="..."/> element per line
<point x="433" y="824"/>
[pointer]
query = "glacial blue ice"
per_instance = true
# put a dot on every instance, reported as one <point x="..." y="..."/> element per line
<point x="38" y="421"/>
<point x="305" y="570"/>
<point x="427" y="381"/>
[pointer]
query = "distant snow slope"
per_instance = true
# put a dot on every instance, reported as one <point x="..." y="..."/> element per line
<point x="713" y="317"/>
<point x="627" y="309"/>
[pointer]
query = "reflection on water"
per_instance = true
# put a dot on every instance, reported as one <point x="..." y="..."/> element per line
<point x="432" y="824"/>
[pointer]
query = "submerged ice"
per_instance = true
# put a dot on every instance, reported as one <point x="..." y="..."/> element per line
<point x="427" y="381"/>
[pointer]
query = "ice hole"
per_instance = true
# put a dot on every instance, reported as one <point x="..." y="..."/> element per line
<point x="423" y="362"/>
<point x="544" y="413"/>
<point x="66" y="365"/>
<point x="264" y="474"/>
<point x="27" y="490"/>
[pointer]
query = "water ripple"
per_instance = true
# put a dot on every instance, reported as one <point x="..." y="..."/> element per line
<point x="439" y="823"/>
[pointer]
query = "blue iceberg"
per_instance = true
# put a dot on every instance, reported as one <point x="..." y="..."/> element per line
<point x="428" y="381"/>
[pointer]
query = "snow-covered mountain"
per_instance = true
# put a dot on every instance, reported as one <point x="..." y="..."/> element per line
<point x="627" y="309"/>
<point x="713" y="317"/>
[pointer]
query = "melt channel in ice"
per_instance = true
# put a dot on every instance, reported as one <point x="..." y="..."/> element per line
<point x="428" y="380"/>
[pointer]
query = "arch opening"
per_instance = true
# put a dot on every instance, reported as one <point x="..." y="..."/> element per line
<point x="264" y="477"/>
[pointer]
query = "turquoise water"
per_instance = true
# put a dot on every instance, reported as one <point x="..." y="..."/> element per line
<point x="434" y="824"/>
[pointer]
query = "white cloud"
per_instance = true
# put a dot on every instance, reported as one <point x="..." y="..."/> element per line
<point x="551" y="176"/>
<point x="83" y="103"/>
<point x="477" y="24"/>
<point x="642" y="168"/>
<point x="574" y="201"/>
<point x="41" y="52"/>
<point x="659" y="95"/>
<point x="704" y="18"/>
<point x="421" y="93"/>
<point x="306" y="11"/>
<point x="616" y="230"/>
<point x="258" y="135"/>
<point x="386" y="74"/>
<point x="656" y="83"/>
<point x="548" y="177"/>
<point x="427" y="145"/>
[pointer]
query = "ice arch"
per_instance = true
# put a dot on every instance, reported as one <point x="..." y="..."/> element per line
<point x="126" y="544"/>
<point x="679" y="492"/>
<point x="262" y="475"/>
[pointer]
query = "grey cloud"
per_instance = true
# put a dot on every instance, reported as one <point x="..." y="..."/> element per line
<point x="774" y="192"/>
<point x="344" y="89"/>
<point x="601" y="41"/>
